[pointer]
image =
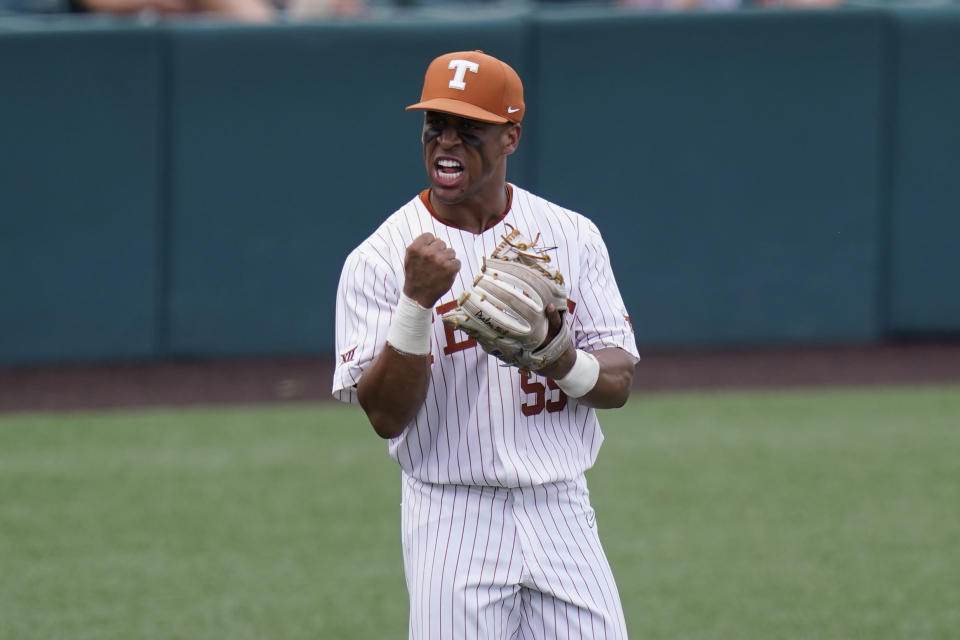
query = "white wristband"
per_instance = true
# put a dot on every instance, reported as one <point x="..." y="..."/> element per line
<point x="582" y="377"/>
<point x="410" y="329"/>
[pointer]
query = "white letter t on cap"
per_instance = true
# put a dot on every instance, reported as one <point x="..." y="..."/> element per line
<point x="461" y="66"/>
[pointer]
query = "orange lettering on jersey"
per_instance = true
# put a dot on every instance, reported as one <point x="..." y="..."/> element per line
<point x="453" y="345"/>
<point x="347" y="356"/>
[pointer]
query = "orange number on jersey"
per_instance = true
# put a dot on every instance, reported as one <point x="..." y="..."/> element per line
<point x="556" y="405"/>
<point x="453" y="345"/>
<point x="539" y="393"/>
<point x="537" y="390"/>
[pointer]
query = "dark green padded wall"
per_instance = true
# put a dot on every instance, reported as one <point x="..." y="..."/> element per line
<point x="731" y="162"/>
<point x="289" y="146"/>
<point x="760" y="177"/>
<point x="924" y="291"/>
<point x="78" y="192"/>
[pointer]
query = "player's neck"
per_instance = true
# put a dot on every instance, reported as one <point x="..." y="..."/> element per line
<point x="474" y="214"/>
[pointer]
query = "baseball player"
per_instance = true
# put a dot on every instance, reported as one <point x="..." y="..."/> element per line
<point x="499" y="538"/>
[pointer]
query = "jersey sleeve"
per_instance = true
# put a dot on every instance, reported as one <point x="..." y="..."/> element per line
<point x="366" y="297"/>
<point x="600" y="318"/>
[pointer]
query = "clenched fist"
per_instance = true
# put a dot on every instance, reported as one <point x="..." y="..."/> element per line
<point x="430" y="267"/>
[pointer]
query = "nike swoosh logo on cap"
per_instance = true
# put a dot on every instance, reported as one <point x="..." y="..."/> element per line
<point x="513" y="109"/>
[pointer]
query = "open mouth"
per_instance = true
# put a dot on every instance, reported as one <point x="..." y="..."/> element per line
<point x="447" y="170"/>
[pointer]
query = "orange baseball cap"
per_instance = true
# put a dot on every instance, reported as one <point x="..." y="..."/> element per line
<point x="473" y="85"/>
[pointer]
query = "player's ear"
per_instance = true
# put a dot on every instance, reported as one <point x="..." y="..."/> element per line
<point x="510" y="138"/>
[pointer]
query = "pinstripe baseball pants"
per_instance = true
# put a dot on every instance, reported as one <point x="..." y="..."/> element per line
<point x="492" y="563"/>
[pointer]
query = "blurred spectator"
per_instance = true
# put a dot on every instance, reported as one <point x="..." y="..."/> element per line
<point x="798" y="4"/>
<point x="678" y="5"/>
<point x="689" y="5"/>
<point x="307" y="9"/>
<point x="239" y="10"/>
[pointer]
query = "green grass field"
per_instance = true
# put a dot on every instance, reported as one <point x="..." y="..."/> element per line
<point x="800" y="514"/>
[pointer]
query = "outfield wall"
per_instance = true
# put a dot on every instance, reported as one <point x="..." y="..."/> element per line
<point x="760" y="177"/>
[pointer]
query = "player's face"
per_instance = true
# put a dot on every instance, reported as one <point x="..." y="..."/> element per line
<point x="464" y="157"/>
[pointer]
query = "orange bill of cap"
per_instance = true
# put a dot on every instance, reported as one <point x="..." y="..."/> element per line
<point x="457" y="108"/>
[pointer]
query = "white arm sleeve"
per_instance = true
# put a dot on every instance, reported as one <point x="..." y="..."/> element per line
<point x="366" y="298"/>
<point x="600" y="318"/>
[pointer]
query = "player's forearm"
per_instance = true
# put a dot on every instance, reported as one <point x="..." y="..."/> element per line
<point x="614" y="382"/>
<point x="392" y="390"/>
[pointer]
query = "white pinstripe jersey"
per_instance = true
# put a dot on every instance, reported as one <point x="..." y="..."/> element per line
<point x="481" y="423"/>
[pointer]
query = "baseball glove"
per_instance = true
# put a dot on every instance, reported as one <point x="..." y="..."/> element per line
<point x="504" y="311"/>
